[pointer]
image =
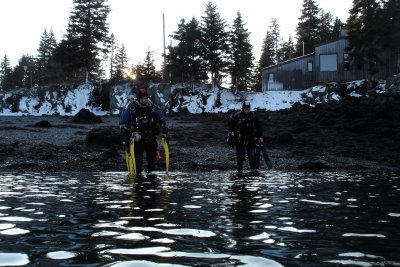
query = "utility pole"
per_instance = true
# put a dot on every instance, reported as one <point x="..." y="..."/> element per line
<point x="164" y="66"/>
<point x="30" y="71"/>
<point x="24" y="79"/>
<point x="277" y="52"/>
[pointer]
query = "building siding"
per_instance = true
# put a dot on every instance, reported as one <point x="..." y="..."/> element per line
<point x="289" y="75"/>
<point x="294" y="74"/>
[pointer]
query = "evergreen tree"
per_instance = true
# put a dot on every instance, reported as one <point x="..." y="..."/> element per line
<point x="326" y="27"/>
<point x="338" y="25"/>
<point x="275" y="33"/>
<point x="364" y="27"/>
<point x="46" y="50"/>
<point x="146" y="72"/>
<point x="240" y="55"/>
<point x="184" y="59"/>
<point x="64" y="65"/>
<point x="175" y="64"/>
<point x="24" y="72"/>
<point x="390" y="17"/>
<point x="99" y="71"/>
<point x="86" y="29"/>
<point x="308" y="28"/>
<point x="133" y="72"/>
<point x="5" y="74"/>
<point x="51" y="42"/>
<point x="113" y="46"/>
<point x="43" y="56"/>
<point x="267" y="58"/>
<point x="287" y="49"/>
<point x="121" y="63"/>
<point x="214" y="38"/>
<point x="175" y="59"/>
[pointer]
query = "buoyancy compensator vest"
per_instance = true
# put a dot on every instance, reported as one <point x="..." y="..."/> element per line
<point x="142" y="118"/>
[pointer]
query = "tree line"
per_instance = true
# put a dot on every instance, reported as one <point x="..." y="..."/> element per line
<point x="373" y="27"/>
<point x="205" y="49"/>
<point x="86" y="51"/>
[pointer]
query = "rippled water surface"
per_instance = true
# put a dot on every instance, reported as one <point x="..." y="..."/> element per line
<point x="208" y="219"/>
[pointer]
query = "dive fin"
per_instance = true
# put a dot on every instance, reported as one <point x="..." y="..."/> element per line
<point x="132" y="160"/>
<point x="166" y="150"/>
<point x="266" y="157"/>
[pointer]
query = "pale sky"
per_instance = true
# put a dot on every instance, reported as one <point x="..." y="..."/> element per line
<point x="138" y="24"/>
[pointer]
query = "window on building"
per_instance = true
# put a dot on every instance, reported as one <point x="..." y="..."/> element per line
<point x="346" y="61"/>
<point x="328" y="62"/>
<point x="309" y="66"/>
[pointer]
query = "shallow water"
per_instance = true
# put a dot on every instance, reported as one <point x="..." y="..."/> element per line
<point x="200" y="219"/>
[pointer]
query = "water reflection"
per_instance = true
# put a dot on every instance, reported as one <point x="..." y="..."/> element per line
<point x="217" y="218"/>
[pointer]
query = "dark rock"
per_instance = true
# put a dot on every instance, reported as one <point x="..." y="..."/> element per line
<point x="46" y="155"/>
<point x="313" y="165"/>
<point x="297" y="106"/>
<point x="42" y="124"/>
<point x="393" y="81"/>
<point x="285" y="139"/>
<point x="85" y="116"/>
<point x="380" y="100"/>
<point x="329" y="121"/>
<point x="104" y="136"/>
<point x="210" y="135"/>
<point x="184" y="111"/>
<point x="300" y="130"/>
<point x="111" y="153"/>
<point x="299" y="122"/>
<point x="8" y="149"/>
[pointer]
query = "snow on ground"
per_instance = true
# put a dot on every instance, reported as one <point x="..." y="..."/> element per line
<point x="200" y="99"/>
<point x="216" y="100"/>
<point x="63" y="102"/>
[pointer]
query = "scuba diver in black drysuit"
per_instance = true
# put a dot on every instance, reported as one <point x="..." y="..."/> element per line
<point x="143" y="121"/>
<point x="245" y="134"/>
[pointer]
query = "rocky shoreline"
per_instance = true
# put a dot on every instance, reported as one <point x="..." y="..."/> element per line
<point x="350" y="134"/>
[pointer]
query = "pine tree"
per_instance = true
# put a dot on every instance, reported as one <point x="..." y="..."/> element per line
<point x="364" y="28"/>
<point x="121" y="63"/>
<point x="43" y="56"/>
<point x="338" y="25"/>
<point x="175" y="64"/>
<point x="326" y="27"/>
<point x="275" y="33"/>
<point x="308" y="28"/>
<point x="390" y="17"/>
<point x="268" y="53"/>
<point x="24" y="72"/>
<point x="267" y="58"/>
<point x="46" y="50"/>
<point x="240" y="55"/>
<point x="193" y="47"/>
<point x="113" y="46"/>
<point x="86" y="29"/>
<point x="214" y="38"/>
<point x="64" y="65"/>
<point x="287" y="49"/>
<point x="184" y="59"/>
<point x="5" y="74"/>
<point x="175" y="59"/>
<point x="146" y="72"/>
<point x="51" y="42"/>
